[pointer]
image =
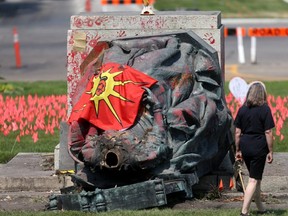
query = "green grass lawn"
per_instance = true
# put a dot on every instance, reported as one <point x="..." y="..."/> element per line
<point x="230" y="8"/>
<point x="40" y="88"/>
<point x="9" y="147"/>
<point x="276" y="88"/>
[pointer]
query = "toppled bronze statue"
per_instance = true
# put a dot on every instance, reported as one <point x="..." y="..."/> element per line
<point x="149" y="119"/>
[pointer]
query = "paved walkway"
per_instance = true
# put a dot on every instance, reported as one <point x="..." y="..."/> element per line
<point x="30" y="176"/>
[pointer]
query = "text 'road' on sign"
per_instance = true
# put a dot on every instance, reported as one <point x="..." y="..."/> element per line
<point x="268" y="32"/>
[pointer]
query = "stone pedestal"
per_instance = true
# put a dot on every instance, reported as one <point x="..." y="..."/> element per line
<point x="62" y="159"/>
<point x="87" y="30"/>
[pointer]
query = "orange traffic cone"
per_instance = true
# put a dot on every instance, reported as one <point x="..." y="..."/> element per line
<point x="220" y="187"/>
<point x="88" y="6"/>
<point x="17" y="48"/>
<point x="231" y="183"/>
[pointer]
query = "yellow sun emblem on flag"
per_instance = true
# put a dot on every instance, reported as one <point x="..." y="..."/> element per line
<point x="103" y="87"/>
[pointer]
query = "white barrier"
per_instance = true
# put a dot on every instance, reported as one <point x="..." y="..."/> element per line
<point x="241" y="53"/>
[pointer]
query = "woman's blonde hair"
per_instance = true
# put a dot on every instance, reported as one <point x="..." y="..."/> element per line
<point x="256" y="95"/>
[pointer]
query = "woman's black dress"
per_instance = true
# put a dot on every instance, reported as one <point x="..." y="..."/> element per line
<point x="253" y="123"/>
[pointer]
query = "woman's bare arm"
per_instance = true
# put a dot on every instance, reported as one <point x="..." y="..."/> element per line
<point x="269" y="139"/>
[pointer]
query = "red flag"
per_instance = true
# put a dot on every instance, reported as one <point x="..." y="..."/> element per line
<point x="220" y="187"/>
<point x="231" y="183"/>
<point x="112" y="97"/>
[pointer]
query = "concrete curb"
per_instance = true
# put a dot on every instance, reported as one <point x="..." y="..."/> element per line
<point x="44" y="183"/>
<point x="25" y="186"/>
<point x="25" y="173"/>
<point x="29" y="172"/>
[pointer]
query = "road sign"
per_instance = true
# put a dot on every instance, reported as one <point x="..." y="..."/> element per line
<point x="268" y="32"/>
<point x="233" y="32"/>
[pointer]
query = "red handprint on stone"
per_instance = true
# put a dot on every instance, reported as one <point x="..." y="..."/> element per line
<point x="209" y="37"/>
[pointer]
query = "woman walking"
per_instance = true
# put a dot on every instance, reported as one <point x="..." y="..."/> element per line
<point x="254" y="142"/>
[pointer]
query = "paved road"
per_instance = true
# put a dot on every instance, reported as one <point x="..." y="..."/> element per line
<point x="271" y="54"/>
<point x="42" y="26"/>
<point x="42" y="36"/>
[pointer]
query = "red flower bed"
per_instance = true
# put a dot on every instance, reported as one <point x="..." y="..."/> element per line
<point x="278" y="105"/>
<point x="27" y="116"/>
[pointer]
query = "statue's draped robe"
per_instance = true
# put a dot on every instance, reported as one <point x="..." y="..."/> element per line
<point x="190" y="90"/>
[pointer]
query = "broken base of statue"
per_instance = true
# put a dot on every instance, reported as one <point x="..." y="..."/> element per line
<point x="148" y="194"/>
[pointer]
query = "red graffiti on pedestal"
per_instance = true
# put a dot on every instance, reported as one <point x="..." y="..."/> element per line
<point x="78" y="22"/>
<point x="88" y="22"/>
<point x="93" y="39"/>
<point x="121" y="33"/>
<point x="151" y="23"/>
<point x="101" y="21"/>
<point x="209" y="37"/>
